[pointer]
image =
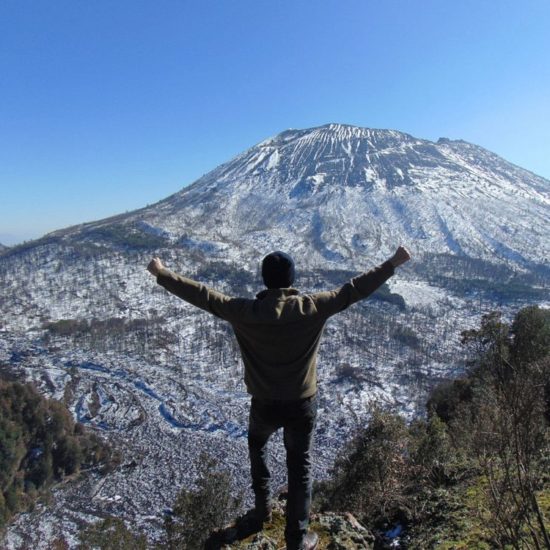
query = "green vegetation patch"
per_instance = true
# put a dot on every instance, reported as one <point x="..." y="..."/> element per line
<point x="475" y="472"/>
<point x="111" y="534"/>
<point x="126" y="236"/>
<point x="40" y="444"/>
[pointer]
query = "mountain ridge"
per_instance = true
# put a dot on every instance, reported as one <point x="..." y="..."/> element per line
<point x="445" y="197"/>
<point x="294" y="170"/>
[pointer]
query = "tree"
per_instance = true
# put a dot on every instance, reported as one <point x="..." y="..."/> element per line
<point x="39" y="444"/>
<point x="509" y="431"/>
<point x="531" y="335"/>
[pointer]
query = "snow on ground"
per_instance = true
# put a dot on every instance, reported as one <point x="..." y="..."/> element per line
<point x="419" y="293"/>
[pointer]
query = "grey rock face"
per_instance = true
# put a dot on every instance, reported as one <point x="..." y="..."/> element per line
<point x="345" y="532"/>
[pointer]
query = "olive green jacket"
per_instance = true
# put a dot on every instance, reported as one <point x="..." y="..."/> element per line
<point x="279" y="331"/>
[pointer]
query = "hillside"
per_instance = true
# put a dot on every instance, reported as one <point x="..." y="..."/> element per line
<point x="163" y="381"/>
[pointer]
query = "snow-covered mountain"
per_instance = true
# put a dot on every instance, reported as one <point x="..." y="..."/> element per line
<point x="339" y="193"/>
<point x="162" y="381"/>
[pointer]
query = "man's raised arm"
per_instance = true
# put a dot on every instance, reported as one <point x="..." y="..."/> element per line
<point x="194" y="292"/>
<point x="329" y="303"/>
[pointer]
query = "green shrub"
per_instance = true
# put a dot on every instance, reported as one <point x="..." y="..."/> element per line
<point x="111" y="534"/>
<point x="474" y="474"/>
<point x="200" y="511"/>
<point x="447" y="398"/>
<point x="368" y="477"/>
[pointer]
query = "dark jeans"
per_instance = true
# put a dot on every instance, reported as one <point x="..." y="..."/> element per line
<point x="297" y="418"/>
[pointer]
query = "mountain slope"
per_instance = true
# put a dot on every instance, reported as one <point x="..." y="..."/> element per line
<point x="341" y="193"/>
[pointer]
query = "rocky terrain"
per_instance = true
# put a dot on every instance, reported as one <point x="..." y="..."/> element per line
<point x="336" y="531"/>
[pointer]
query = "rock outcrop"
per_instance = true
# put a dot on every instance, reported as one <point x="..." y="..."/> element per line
<point x="337" y="531"/>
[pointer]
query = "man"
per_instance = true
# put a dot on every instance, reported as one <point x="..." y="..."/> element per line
<point x="278" y="334"/>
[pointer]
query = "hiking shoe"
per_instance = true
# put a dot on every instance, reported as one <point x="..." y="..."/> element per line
<point x="248" y="524"/>
<point x="252" y="522"/>
<point x="311" y="540"/>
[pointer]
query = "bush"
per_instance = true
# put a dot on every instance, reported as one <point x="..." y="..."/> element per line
<point x="431" y="452"/>
<point x="501" y="422"/>
<point x="111" y="534"/>
<point x="475" y="472"/>
<point x="446" y="399"/>
<point x="368" y="478"/>
<point x="197" y="512"/>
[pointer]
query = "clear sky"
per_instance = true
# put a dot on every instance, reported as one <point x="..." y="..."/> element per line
<point x="108" y="105"/>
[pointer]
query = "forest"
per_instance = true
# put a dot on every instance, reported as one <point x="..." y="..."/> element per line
<point x="40" y="445"/>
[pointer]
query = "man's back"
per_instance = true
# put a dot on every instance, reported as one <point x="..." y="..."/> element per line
<point x="278" y="332"/>
<point x="279" y="336"/>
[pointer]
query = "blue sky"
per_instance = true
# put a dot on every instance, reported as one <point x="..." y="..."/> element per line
<point x="106" y="106"/>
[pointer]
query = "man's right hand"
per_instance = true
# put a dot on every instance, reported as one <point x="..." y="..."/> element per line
<point x="155" y="265"/>
<point x="401" y="256"/>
